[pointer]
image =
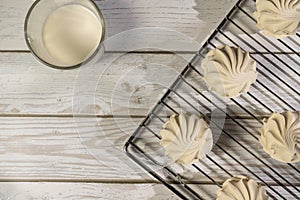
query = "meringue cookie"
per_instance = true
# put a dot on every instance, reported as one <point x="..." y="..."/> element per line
<point x="186" y="139"/>
<point x="229" y="71"/>
<point x="278" y="18"/>
<point x="241" y="188"/>
<point x="280" y="136"/>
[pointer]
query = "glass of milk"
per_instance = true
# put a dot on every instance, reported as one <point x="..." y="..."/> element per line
<point x="64" y="34"/>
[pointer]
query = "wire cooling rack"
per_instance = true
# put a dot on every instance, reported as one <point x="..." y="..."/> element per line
<point x="276" y="90"/>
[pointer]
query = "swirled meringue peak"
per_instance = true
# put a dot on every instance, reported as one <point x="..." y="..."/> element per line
<point x="229" y="71"/>
<point x="278" y="18"/>
<point x="280" y="136"/>
<point x="241" y="188"/>
<point x="186" y="139"/>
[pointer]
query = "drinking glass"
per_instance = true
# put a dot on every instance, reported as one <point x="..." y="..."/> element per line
<point x="34" y="25"/>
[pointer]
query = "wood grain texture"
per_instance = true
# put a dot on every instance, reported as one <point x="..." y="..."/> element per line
<point x="65" y="149"/>
<point x="193" y="19"/>
<point x="92" y="191"/>
<point x="70" y="149"/>
<point x="111" y="86"/>
<point x="27" y="87"/>
<point x="83" y="191"/>
<point x="82" y="157"/>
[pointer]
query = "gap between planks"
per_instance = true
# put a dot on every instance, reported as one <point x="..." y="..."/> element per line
<point x="116" y="181"/>
<point x="155" y="52"/>
<point x="72" y="116"/>
<point x="108" y="116"/>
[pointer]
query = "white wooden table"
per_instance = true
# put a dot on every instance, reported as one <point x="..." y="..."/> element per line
<point x="46" y="153"/>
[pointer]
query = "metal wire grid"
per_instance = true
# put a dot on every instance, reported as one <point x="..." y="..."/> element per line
<point x="281" y="75"/>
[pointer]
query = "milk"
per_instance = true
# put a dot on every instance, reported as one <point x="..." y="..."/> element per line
<point x="71" y="34"/>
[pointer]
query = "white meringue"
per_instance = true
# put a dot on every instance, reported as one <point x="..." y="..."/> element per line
<point x="229" y="71"/>
<point x="241" y="188"/>
<point x="278" y="18"/>
<point x="186" y="138"/>
<point x="280" y="136"/>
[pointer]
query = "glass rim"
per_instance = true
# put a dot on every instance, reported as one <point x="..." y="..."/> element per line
<point x="89" y="58"/>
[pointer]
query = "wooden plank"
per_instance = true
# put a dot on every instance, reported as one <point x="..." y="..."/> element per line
<point x="126" y="84"/>
<point x="27" y="87"/>
<point x="78" y="191"/>
<point x="165" y="20"/>
<point x="65" y="148"/>
<point x="71" y="149"/>
<point x="83" y="191"/>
